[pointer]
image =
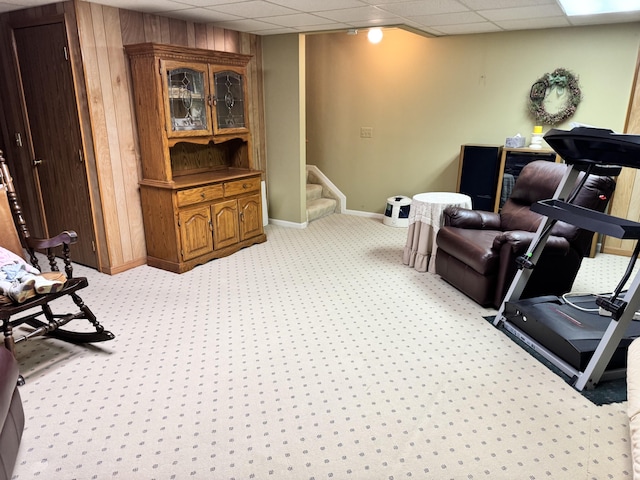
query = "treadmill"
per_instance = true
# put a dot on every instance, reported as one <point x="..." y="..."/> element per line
<point x="586" y="337"/>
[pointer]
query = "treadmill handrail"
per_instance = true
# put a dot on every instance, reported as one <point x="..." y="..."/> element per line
<point x="585" y="145"/>
<point x="587" y="219"/>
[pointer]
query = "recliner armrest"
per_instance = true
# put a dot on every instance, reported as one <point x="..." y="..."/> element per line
<point x="520" y="241"/>
<point x="466" y="218"/>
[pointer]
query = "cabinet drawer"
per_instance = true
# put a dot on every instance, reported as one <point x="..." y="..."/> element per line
<point x="200" y="194"/>
<point x="241" y="186"/>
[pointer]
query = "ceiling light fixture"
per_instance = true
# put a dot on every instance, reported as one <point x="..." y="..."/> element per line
<point x="595" y="7"/>
<point x="374" y="35"/>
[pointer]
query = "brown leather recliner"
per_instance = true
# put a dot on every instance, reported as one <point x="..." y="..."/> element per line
<point x="477" y="250"/>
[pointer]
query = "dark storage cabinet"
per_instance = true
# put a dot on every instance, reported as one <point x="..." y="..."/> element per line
<point x="478" y="174"/>
<point x="487" y="172"/>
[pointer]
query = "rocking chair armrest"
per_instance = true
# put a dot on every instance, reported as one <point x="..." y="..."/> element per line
<point x="68" y="237"/>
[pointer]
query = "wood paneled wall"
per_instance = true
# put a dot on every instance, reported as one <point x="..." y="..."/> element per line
<point x="626" y="199"/>
<point x="113" y="132"/>
<point x="105" y="86"/>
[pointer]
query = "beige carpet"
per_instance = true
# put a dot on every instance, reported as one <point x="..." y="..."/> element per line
<point x="316" y="355"/>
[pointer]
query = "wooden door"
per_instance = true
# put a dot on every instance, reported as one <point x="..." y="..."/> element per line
<point x="225" y="224"/>
<point x="186" y="103"/>
<point x="195" y="232"/>
<point x="250" y="216"/>
<point x="42" y="56"/>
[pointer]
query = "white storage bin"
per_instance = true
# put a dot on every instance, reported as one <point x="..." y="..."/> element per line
<point x="397" y="212"/>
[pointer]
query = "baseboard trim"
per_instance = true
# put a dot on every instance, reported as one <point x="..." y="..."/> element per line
<point x="124" y="267"/>
<point x="360" y="213"/>
<point x="285" y="223"/>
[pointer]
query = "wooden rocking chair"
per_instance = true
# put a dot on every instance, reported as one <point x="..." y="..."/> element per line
<point x="15" y="237"/>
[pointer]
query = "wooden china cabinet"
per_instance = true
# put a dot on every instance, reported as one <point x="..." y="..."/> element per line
<point x="200" y="194"/>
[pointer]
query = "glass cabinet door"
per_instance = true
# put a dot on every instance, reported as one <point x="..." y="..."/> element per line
<point x="187" y="94"/>
<point x="230" y="115"/>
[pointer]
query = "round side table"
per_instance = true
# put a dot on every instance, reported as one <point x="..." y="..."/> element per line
<point x="425" y="219"/>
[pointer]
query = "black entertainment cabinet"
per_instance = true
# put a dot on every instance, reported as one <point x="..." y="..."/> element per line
<point x="487" y="172"/>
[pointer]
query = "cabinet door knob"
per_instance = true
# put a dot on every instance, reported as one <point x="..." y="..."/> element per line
<point x="202" y="195"/>
<point x="245" y="185"/>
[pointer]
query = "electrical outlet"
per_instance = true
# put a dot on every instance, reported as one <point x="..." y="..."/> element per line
<point x="366" y="132"/>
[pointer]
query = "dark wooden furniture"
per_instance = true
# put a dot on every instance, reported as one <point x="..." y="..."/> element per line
<point x="201" y="196"/>
<point x="37" y="311"/>
<point x="477" y="250"/>
<point x="487" y="173"/>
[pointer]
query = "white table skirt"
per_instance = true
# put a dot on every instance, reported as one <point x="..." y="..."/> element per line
<point x="425" y="219"/>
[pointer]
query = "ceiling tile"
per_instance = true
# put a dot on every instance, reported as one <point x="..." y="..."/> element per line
<point x="413" y="8"/>
<point x="297" y="20"/>
<point x="469" y="28"/>
<point x="147" y="6"/>
<point x="205" y="3"/>
<point x="420" y="29"/>
<point x="349" y="15"/>
<point x="493" y="4"/>
<point x="521" y="13"/>
<point x="449" y="19"/>
<point x="274" y="31"/>
<point x="254" y="9"/>
<point x="316" y="6"/>
<point x="428" y="17"/>
<point x="202" y="15"/>
<point x="534" y="23"/>
<point x="325" y="28"/>
<point x="247" y="25"/>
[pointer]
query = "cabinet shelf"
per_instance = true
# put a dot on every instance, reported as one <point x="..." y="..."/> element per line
<point x="203" y="178"/>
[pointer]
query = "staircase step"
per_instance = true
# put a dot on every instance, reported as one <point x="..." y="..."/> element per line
<point x="320" y="207"/>
<point x="314" y="192"/>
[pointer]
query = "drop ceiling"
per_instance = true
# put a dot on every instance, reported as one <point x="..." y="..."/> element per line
<point x="430" y="17"/>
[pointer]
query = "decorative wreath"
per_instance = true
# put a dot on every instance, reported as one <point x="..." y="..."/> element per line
<point x="560" y="79"/>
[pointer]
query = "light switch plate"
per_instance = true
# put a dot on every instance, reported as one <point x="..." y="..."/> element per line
<point x="366" y="132"/>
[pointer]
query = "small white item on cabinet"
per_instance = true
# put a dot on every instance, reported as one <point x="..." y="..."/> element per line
<point x="516" y="141"/>
<point x="536" y="138"/>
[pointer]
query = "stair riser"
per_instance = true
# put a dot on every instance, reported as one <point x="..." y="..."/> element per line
<point x="314" y="192"/>
<point x="320" y="207"/>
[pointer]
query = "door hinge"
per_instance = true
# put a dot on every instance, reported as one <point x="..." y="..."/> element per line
<point x="93" y="245"/>
<point x="80" y="155"/>
<point x="18" y="139"/>
<point x="66" y="53"/>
